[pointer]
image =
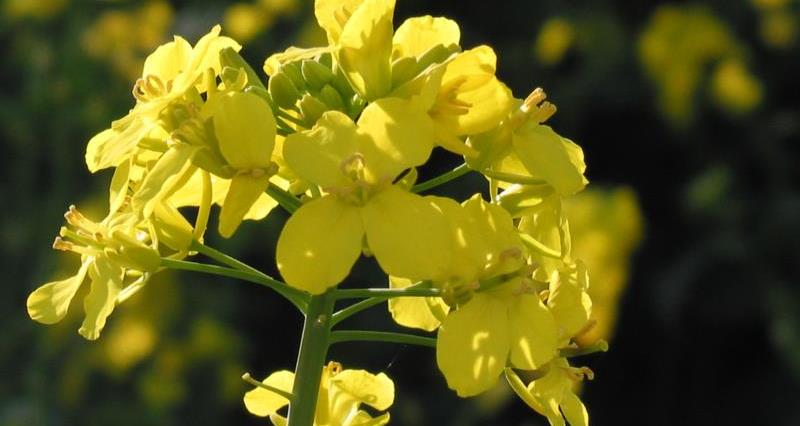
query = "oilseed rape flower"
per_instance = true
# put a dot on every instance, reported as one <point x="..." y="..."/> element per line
<point x="341" y="393"/>
<point x="337" y="135"/>
<point x="404" y="231"/>
<point x="552" y="394"/>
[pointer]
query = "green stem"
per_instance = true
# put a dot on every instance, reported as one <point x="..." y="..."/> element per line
<point x="442" y="179"/>
<point x="355" y="308"/>
<point x="289" y="202"/>
<point x="358" y="293"/>
<point x="247" y="378"/>
<point x="311" y="359"/>
<point x="298" y="298"/>
<point x="381" y="336"/>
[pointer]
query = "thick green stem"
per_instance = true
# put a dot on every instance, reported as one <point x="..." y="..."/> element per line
<point x="442" y="179"/>
<point x="311" y="359"/>
<point x="381" y="336"/>
<point x="298" y="298"/>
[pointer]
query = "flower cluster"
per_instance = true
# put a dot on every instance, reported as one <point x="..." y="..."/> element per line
<point x="336" y="137"/>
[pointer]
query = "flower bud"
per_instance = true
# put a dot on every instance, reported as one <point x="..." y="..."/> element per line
<point x="332" y="98"/>
<point x="283" y="91"/>
<point x="312" y="109"/>
<point x="293" y="71"/>
<point x="315" y="74"/>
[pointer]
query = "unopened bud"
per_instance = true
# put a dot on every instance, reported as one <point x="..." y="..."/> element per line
<point x="312" y="109"/>
<point x="293" y="71"/>
<point x="283" y="91"/>
<point x="315" y="74"/>
<point x="331" y="98"/>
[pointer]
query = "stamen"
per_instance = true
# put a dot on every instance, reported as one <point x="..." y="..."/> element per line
<point x="353" y="167"/>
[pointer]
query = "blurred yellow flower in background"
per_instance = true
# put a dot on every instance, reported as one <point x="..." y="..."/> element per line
<point x="244" y="21"/>
<point x="555" y="39"/>
<point x="678" y="46"/>
<point x="37" y="9"/>
<point x="606" y="227"/>
<point x="123" y="38"/>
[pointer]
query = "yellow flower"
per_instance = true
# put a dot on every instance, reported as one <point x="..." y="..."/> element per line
<point x="524" y="148"/>
<point x="245" y="129"/>
<point x="507" y="323"/>
<point x="341" y="394"/>
<point x="108" y="249"/>
<point x="360" y="33"/>
<point x="169" y="74"/>
<point x="552" y="394"/>
<point x="355" y="165"/>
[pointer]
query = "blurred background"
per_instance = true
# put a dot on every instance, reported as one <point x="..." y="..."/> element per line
<point x="689" y="117"/>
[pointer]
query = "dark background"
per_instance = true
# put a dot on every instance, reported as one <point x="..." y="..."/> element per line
<point x="693" y="105"/>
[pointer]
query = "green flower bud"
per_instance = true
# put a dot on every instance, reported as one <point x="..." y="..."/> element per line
<point x="341" y="84"/>
<point x="356" y="105"/>
<point x="403" y="70"/>
<point x="294" y="72"/>
<point x="332" y="98"/>
<point x="315" y="74"/>
<point x="312" y="109"/>
<point x="282" y="90"/>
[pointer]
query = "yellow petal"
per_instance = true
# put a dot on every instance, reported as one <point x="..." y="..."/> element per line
<point x="352" y="387"/>
<point x="319" y="244"/>
<point x="365" y="48"/>
<point x="547" y="155"/>
<point x="407" y="234"/>
<point x="489" y="103"/>
<point x="262" y="402"/>
<point x="415" y="312"/>
<point x="472" y="346"/>
<point x="574" y="410"/>
<point x="154" y="186"/>
<point x="49" y="303"/>
<point x="118" y="189"/>
<point x="168" y="60"/>
<point x="570" y="304"/>
<point x="245" y="128"/>
<point x="101" y="300"/>
<point x="471" y="69"/>
<point x="533" y="333"/>
<point x="113" y="146"/>
<point x="318" y="155"/>
<point x="493" y="227"/>
<point x="244" y="192"/>
<point x="418" y="34"/>
<point x="333" y="14"/>
<point x="171" y="227"/>
<point x="402" y="132"/>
